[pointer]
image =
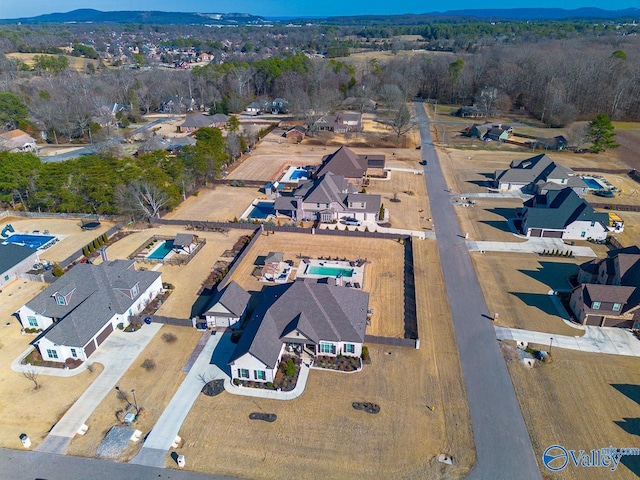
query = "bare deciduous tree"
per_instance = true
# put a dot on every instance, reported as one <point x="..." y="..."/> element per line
<point x="401" y="122"/>
<point x="31" y="375"/>
<point x="141" y="199"/>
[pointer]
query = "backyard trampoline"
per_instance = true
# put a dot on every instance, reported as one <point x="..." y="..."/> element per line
<point x="90" y="225"/>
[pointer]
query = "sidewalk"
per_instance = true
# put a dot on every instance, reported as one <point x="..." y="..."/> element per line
<point x="271" y="394"/>
<point x="117" y="353"/>
<point x="532" y="245"/>
<point x="610" y="340"/>
<point x="374" y="227"/>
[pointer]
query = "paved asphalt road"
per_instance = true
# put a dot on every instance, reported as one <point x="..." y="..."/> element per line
<point x="89" y="149"/>
<point x="29" y="465"/>
<point x="503" y="447"/>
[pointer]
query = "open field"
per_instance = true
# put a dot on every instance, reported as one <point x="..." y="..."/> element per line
<point x="631" y="234"/>
<point x="154" y="390"/>
<point x="75" y="63"/>
<point x="581" y="401"/>
<point x="412" y="212"/>
<point x="47" y="404"/>
<point x="319" y="435"/>
<point x="487" y="219"/>
<point x="516" y="286"/>
<point x="187" y="279"/>
<point x="383" y="275"/>
<point x="221" y="203"/>
<point x="72" y="239"/>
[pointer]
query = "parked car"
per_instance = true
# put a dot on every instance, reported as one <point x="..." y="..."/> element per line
<point x="604" y="193"/>
<point x="423" y="162"/>
<point x="351" y="221"/>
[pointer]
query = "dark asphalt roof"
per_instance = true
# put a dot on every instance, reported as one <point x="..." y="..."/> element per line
<point x="232" y="297"/>
<point x="11" y="255"/>
<point x="557" y="209"/>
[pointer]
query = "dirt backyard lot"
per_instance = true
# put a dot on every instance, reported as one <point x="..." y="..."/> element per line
<point x="56" y="394"/>
<point x="320" y="435"/>
<point x="154" y="390"/>
<point x="487" y="219"/>
<point x="604" y="413"/>
<point x="383" y="275"/>
<point x="72" y="237"/>
<point x="222" y="203"/>
<point x="517" y="286"/>
<point x="187" y="279"/>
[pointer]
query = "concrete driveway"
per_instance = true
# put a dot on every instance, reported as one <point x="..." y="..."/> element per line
<point x="533" y="245"/>
<point x="613" y="341"/>
<point x="117" y="353"/>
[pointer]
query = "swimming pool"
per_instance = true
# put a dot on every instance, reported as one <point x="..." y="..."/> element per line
<point x="334" y="272"/>
<point x="262" y="210"/>
<point x="592" y="183"/>
<point x="32" y="241"/>
<point x="298" y="174"/>
<point x="162" y="251"/>
<point x="294" y="174"/>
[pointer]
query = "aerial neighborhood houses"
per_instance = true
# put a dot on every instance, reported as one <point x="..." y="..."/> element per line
<point x="341" y="122"/>
<point x="538" y="174"/>
<point x="178" y="105"/>
<point x="18" y="141"/>
<point x="608" y="290"/>
<point x="563" y="214"/>
<point x="228" y="307"/>
<point x="198" y="120"/>
<point x="275" y="107"/>
<point x="313" y="316"/>
<point x="82" y="308"/>
<point x="490" y="131"/>
<point x="333" y="192"/>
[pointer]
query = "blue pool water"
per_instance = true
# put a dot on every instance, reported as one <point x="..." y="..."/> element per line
<point x="162" y="251"/>
<point x="31" y="241"/>
<point x="592" y="183"/>
<point x="298" y="174"/>
<point x="262" y="210"/>
<point x="334" y="272"/>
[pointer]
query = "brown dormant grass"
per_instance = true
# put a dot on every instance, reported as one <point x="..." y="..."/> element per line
<point x="47" y="404"/>
<point x="222" y="203"/>
<point x="487" y="219"/>
<point x="319" y="435"/>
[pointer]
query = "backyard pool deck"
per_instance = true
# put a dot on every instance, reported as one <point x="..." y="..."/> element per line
<point x="348" y="273"/>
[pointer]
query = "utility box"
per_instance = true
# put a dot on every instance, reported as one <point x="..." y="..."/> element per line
<point x="129" y="418"/>
<point x="181" y="461"/>
<point x="26" y="441"/>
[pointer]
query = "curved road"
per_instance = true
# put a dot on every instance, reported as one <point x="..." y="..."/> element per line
<point x="503" y="447"/>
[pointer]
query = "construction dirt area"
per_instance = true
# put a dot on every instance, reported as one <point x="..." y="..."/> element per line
<point x="582" y="401"/>
<point x="383" y="272"/>
<point x="221" y="203"/>
<point x="155" y="386"/>
<point x="423" y="409"/>
<point x="48" y="403"/>
<point x="517" y="287"/>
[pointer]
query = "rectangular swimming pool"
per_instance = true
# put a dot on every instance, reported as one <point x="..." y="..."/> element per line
<point x="334" y="272"/>
<point x="298" y="174"/>
<point x="32" y="241"/>
<point x="592" y="183"/>
<point x="262" y="210"/>
<point x="162" y="251"/>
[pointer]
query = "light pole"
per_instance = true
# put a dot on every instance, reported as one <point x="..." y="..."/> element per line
<point x="550" y="344"/>
<point x="123" y="395"/>
<point x="133" y="392"/>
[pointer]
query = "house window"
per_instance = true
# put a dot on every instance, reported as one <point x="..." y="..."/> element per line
<point x="317" y="205"/>
<point x="52" y="353"/>
<point x="33" y="321"/>
<point x="74" y="354"/>
<point x="349" y="348"/>
<point x="60" y="300"/>
<point x="243" y="373"/>
<point x="593" y="224"/>
<point x="135" y="290"/>
<point x="616" y="307"/>
<point x="583" y="234"/>
<point x="260" y="374"/>
<point x="6" y="277"/>
<point x="596" y="305"/>
<point x="327" y="348"/>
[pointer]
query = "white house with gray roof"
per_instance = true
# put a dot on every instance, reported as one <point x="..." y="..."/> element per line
<point x="14" y="261"/>
<point x="538" y="174"/>
<point x="315" y="315"/>
<point x="327" y="198"/>
<point x="81" y="309"/>
<point x="228" y="306"/>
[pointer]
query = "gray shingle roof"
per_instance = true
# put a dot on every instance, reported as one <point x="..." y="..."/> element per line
<point x="319" y="309"/>
<point x="95" y="298"/>
<point x="198" y="120"/>
<point x="183" y="239"/>
<point x="540" y="168"/>
<point x="557" y="209"/>
<point x="11" y="255"/>
<point x="233" y="297"/>
<point x="344" y="162"/>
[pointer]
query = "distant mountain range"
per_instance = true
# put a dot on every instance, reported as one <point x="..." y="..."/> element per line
<point x="88" y="15"/>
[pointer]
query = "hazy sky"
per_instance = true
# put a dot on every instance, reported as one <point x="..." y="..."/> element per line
<point x="274" y="8"/>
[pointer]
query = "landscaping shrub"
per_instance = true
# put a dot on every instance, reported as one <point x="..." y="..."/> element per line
<point x="365" y="353"/>
<point x="289" y="367"/>
<point x="169" y="337"/>
<point x="57" y="271"/>
<point x="105" y="237"/>
<point x="85" y="251"/>
<point x="149" y="364"/>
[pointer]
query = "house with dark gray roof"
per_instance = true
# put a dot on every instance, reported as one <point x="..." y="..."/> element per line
<point x="15" y="260"/>
<point x="316" y="316"/>
<point x="563" y="214"/>
<point x="608" y="293"/>
<point x="341" y="122"/>
<point x="228" y="306"/>
<point x="327" y="198"/>
<point x="355" y="168"/>
<point x="538" y="174"/>
<point x="198" y="120"/>
<point x="81" y="309"/>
